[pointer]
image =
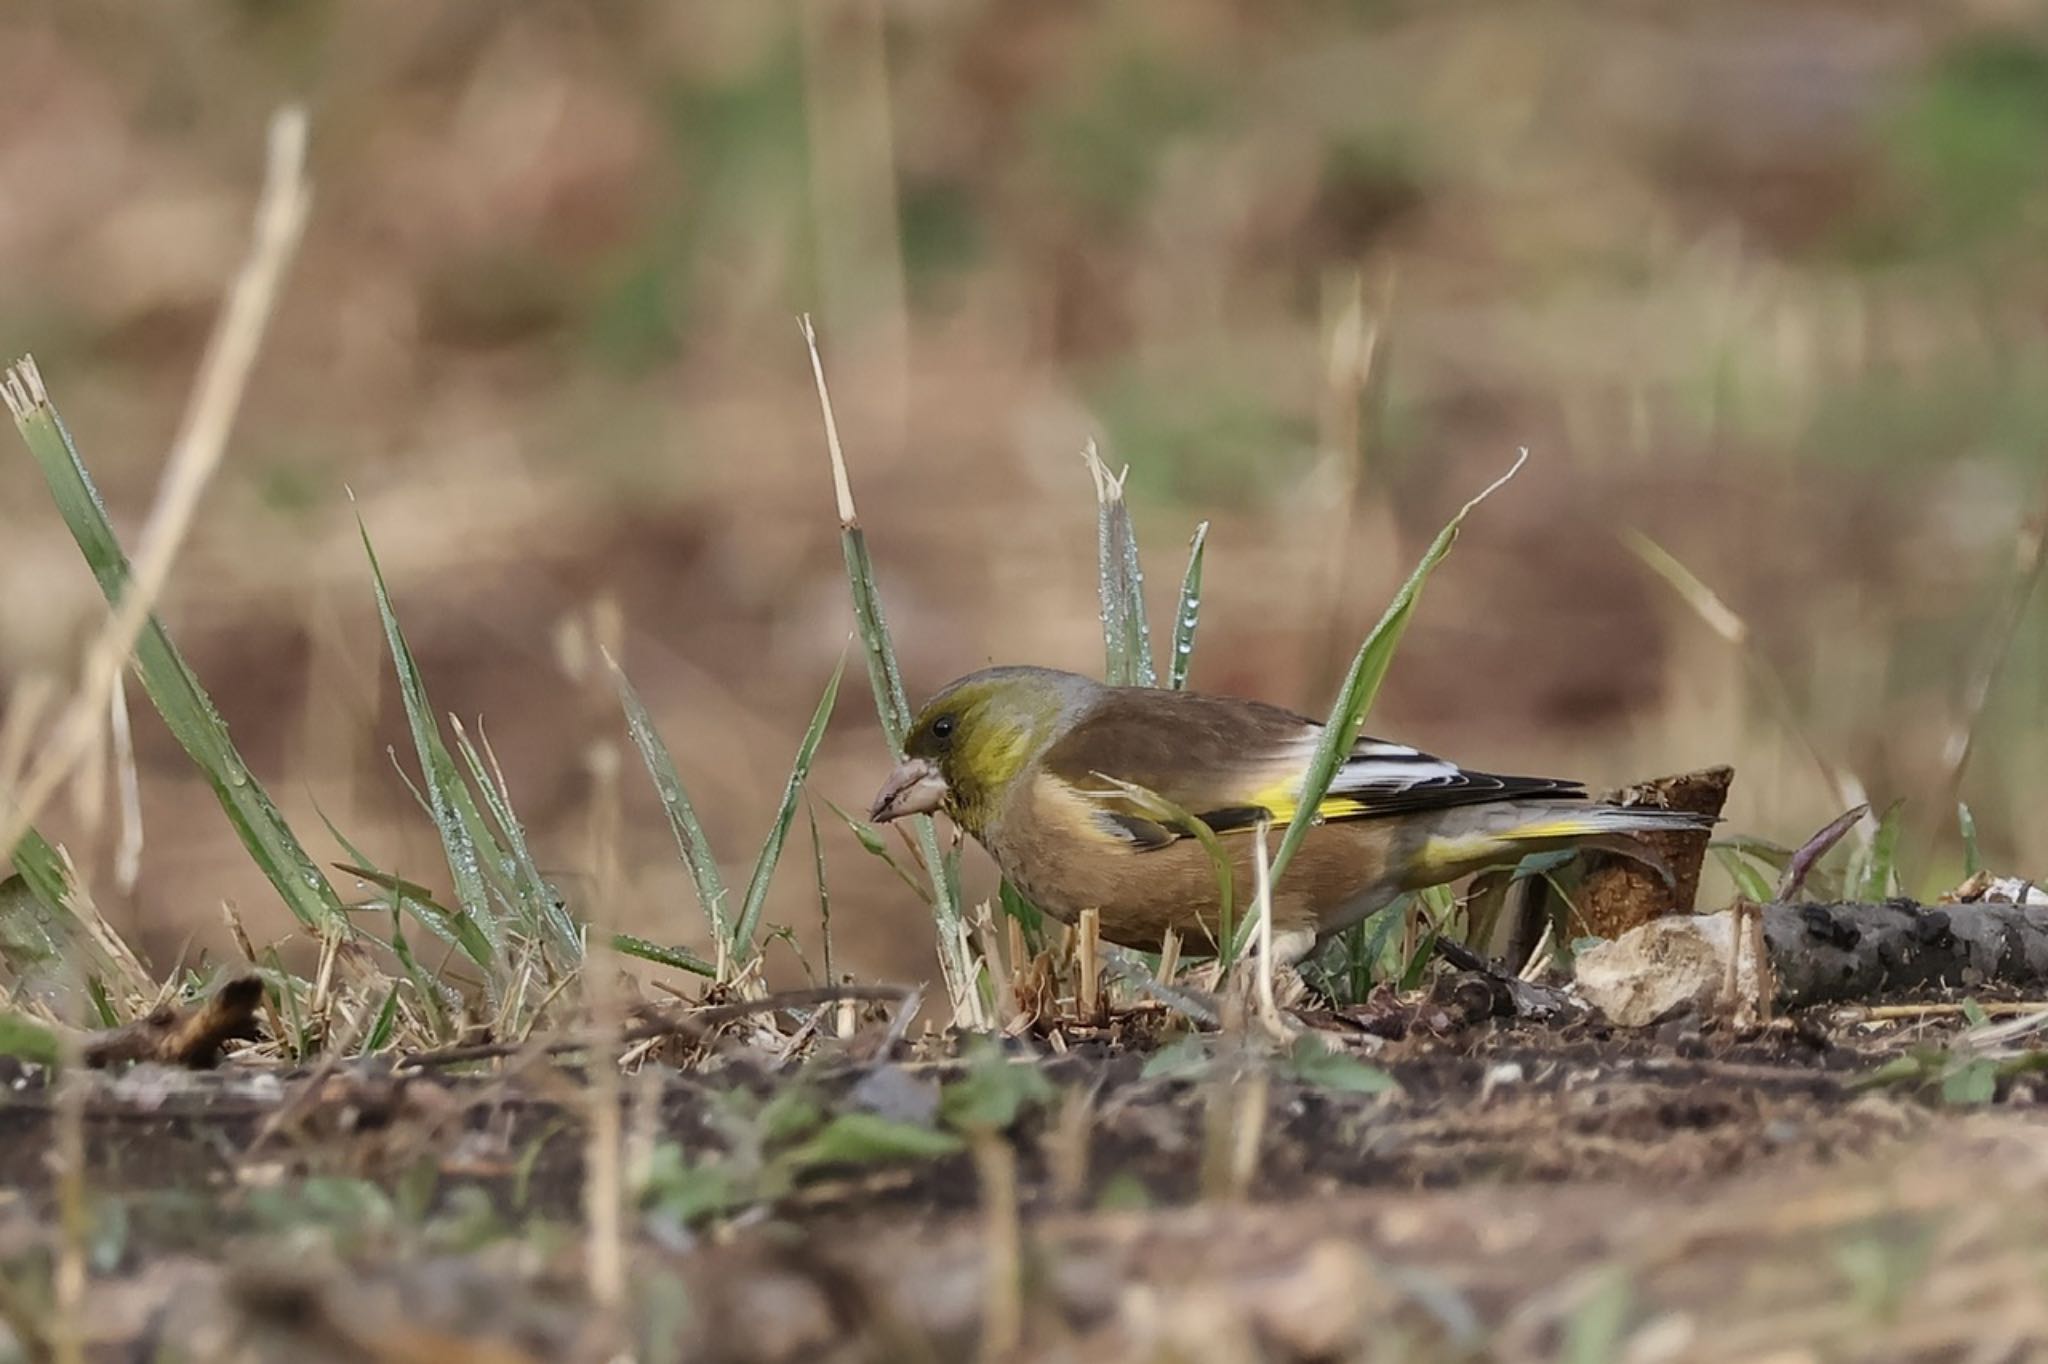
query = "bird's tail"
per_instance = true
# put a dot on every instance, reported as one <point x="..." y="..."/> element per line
<point x="1491" y="835"/>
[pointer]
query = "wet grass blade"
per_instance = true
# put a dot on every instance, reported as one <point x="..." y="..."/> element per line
<point x="435" y="999"/>
<point x="43" y="872"/>
<point x="1189" y="612"/>
<point x="448" y="800"/>
<point x="172" y="686"/>
<point x="40" y="934"/>
<point x="1126" y="633"/>
<point x="824" y="890"/>
<point x="691" y="844"/>
<point x="452" y="927"/>
<point x="546" y="916"/>
<point x="680" y="958"/>
<point x="871" y="842"/>
<point x="1362" y="682"/>
<point x="778" y="830"/>
<point x="1966" y="823"/>
<point x="386" y="1022"/>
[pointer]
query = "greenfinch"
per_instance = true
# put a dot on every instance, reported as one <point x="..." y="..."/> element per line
<point x="1079" y="790"/>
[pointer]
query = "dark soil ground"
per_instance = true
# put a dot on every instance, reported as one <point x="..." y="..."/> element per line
<point x="1517" y="1191"/>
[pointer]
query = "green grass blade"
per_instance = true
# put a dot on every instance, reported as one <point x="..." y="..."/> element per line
<point x="871" y="842"/>
<point x="286" y="986"/>
<point x="677" y="957"/>
<point x="1880" y="879"/>
<point x="542" y="910"/>
<point x="1750" y="883"/>
<point x="1362" y="682"/>
<point x="691" y="844"/>
<point x="435" y="998"/>
<point x="173" y="688"/>
<point x="1973" y="860"/>
<point x="386" y="1023"/>
<point x="885" y="676"/>
<point x="778" y="830"/>
<point x="893" y="711"/>
<point x="41" y="936"/>
<point x="1189" y="612"/>
<point x="454" y="812"/>
<point x="1126" y="633"/>
<point x="42" y="871"/>
<point x="824" y="890"/>
<point x="27" y="1040"/>
<point x="1028" y="916"/>
<point x="450" y="926"/>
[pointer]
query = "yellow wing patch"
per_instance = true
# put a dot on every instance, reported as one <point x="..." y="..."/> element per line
<point x="1281" y="800"/>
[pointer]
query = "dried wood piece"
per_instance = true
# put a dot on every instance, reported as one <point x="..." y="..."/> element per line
<point x="189" y="1037"/>
<point x="1818" y="954"/>
<point x="1617" y="893"/>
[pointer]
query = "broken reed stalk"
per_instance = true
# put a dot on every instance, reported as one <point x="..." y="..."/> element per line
<point x="1088" y="965"/>
<point x="1233" y="1132"/>
<point x="1067" y="1147"/>
<point x="1169" y="957"/>
<point x="1001" y="985"/>
<point x="1249" y="1128"/>
<point x="195" y="453"/>
<point x="892" y="706"/>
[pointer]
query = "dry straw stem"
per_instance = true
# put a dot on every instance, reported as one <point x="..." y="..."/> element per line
<point x="842" y="489"/>
<point x="195" y="454"/>
<point x="1003" y="1266"/>
<point x="128" y="791"/>
<point x="74" y="1214"/>
<point x="2030" y="561"/>
<point x="603" y="1179"/>
<point x="1262" y="873"/>
<point x="1722" y="619"/>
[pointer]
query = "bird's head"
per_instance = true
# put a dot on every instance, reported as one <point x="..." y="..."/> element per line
<point x="971" y="741"/>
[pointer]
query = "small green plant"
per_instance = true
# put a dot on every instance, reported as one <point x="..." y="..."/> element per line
<point x="1309" y="1062"/>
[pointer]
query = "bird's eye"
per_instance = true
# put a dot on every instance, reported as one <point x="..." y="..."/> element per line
<point x="942" y="728"/>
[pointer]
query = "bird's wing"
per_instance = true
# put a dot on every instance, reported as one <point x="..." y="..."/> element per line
<point x="1147" y="756"/>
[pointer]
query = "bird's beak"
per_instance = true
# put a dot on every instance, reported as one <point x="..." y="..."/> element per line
<point x="914" y="788"/>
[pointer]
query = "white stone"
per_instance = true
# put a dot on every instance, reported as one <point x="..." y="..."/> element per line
<point x="1659" y="967"/>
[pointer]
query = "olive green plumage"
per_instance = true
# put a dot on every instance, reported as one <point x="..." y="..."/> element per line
<point x="1039" y="766"/>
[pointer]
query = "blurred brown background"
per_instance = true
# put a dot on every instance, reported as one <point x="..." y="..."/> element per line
<point x="1765" y="281"/>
